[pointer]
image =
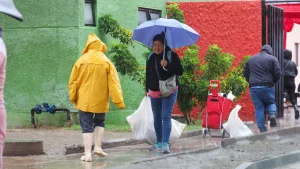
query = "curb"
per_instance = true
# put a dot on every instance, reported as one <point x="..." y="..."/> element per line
<point x="23" y="148"/>
<point x="262" y="136"/>
<point x="177" y="154"/>
<point x="71" y="149"/>
<point x="191" y="134"/>
<point x="273" y="162"/>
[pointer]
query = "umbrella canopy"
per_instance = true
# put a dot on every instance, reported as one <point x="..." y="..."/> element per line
<point x="177" y="34"/>
<point x="7" y="7"/>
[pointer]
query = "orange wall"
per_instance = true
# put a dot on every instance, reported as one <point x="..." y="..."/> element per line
<point x="234" y="26"/>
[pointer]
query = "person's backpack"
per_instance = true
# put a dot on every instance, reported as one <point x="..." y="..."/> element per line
<point x="169" y="55"/>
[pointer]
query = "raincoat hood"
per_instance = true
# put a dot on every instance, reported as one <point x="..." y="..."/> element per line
<point x="8" y="7"/>
<point x="288" y="54"/>
<point x="268" y="49"/>
<point x="95" y="44"/>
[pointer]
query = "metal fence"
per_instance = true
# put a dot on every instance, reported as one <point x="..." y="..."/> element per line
<point x="273" y="34"/>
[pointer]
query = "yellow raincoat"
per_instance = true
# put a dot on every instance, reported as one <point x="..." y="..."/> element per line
<point x="94" y="78"/>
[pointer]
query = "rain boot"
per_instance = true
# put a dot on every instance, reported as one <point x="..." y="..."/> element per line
<point x="98" y="134"/>
<point x="87" y="141"/>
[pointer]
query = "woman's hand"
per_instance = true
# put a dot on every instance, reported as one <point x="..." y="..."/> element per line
<point x="163" y="63"/>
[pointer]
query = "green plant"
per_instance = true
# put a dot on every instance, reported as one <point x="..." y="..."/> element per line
<point x="235" y="81"/>
<point x="126" y="63"/>
<point x="110" y="26"/>
<point x="173" y="12"/>
<point x="188" y="82"/>
<point x="190" y="63"/>
<point x="218" y="62"/>
<point x="215" y="66"/>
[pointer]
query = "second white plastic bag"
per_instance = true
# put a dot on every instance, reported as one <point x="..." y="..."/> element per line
<point x="142" y="127"/>
<point x="235" y="126"/>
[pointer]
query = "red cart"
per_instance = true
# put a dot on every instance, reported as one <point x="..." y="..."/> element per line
<point x="217" y="108"/>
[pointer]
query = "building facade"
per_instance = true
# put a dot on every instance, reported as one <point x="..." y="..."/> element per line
<point x="43" y="48"/>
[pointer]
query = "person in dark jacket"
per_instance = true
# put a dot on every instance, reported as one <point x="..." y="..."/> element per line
<point x="162" y="107"/>
<point x="290" y="71"/>
<point x="262" y="71"/>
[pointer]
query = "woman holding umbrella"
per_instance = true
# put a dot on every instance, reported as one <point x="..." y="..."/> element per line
<point x="159" y="68"/>
<point x="162" y="70"/>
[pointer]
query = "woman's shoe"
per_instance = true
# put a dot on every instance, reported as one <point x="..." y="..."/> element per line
<point x="156" y="146"/>
<point x="166" y="148"/>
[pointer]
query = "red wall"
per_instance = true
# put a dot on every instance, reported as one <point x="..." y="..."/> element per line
<point x="234" y="26"/>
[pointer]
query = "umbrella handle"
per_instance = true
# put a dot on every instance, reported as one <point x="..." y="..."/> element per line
<point x="165" y="43"/>
<point x="164" y="52"/>
<point x="164" y="55"/>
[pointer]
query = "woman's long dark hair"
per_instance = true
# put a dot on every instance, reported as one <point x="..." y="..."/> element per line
<point x="161" y="38"/>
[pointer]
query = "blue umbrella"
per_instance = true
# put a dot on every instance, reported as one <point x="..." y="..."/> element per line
<point x="177" y="34"/>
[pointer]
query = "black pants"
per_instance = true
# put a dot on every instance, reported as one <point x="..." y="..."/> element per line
<point x="88" y="121"/>
<point x="289" y="86"/>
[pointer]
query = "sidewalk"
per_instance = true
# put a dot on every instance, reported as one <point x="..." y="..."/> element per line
<point x="56" y="139"/>
<point x="119" y="156"/>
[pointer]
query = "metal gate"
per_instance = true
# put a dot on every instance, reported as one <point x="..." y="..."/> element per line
<point x="275" y="36"/>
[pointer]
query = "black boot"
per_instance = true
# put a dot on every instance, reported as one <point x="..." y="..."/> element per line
<point x="296" y="112"/>
<point x="273" y="121"/>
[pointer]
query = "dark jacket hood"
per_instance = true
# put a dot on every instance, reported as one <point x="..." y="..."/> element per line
<point x="268" y="49"/>
<point x="288" y="54"/>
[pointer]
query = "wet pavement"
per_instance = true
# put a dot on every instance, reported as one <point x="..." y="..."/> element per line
<point x="120" y="156"/>
<point x="290" y="166"/>
<point x="56" y="139"/>
<point x="116" y="156"/>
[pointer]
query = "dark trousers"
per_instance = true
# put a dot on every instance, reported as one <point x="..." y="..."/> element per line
<point x="289" y="86"/>
<point x="88" y="121"/>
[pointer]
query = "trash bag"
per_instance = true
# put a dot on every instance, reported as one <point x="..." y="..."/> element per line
<point x="235" y="126"/>
<point x="230" y="96"/>
<point x="142" y="127"/>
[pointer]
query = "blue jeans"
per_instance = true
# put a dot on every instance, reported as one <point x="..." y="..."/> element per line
<point x="263" y="98"/>
<point x="162" y="113"/>
<point x="88" y="121"/>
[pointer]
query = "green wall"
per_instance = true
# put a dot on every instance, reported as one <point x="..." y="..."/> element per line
<point x="41" y="51"/>
<point x="43" y="48"/>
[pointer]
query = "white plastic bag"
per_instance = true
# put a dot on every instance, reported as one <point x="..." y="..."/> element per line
<point x="230" y="96"/>
<point x="177" y="129"/>
<point x="235" y="126"/>
<point x="142" y="127"/>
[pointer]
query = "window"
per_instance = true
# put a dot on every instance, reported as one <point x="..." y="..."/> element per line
<point x="89" y="15"/>
<point x="146" y="14"/>
<point x="297" y="53"/>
